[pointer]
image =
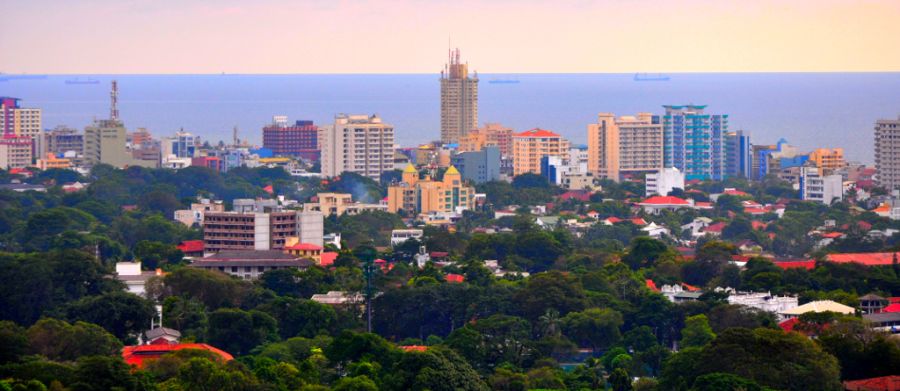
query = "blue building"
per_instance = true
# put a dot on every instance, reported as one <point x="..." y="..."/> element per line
<point x="551" y="168"/>
<point x="479" y="166"/>
<point x="738" y="156"/>
<point x="693" y="141"/>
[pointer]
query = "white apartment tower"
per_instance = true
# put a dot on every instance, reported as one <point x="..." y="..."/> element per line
<point x="887" y="153"/>
<point x="360" y="144"/>
<point x="459" y="100"/>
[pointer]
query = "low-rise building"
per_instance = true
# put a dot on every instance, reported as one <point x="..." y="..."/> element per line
<point x="194" y="215"/>
<point x="339" y="204"/>
<point x="134" y="278"/>
<point x="664" y="181"/>
<point x="250" y="264"/>
<point x="820" y="188"/>
<point x="398" y="236"/>
<point x="52" y="162"/>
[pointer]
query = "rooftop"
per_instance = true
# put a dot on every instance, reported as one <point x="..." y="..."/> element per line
<point x="537" y="132"/>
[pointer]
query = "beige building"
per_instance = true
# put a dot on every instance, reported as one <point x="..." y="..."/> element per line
<point x="828" y="159"/>
<point x="491" y="134"/>
<point x="105" y="142"/>
<point x="339" y="204"/>
<point x="50" y="161"/>
<point x="416" y="195"/>
<point x="887" y="153"/>
<point x="194" y="215"/>
<point x="21" y="122"/>
<point x="15" y="152"/>
<point x="360" y="144"/>
<point x="624" y="145"/>
<point x="459" y="100"/>
<point x="530" y="146"/>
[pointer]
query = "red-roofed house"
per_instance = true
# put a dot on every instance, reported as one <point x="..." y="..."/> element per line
<point x="651" y="285"/>
<point x="327" y="258"/>
<point x="306" y="250"/>
<point x="867" y="259"/>
<point x="191" y="248"/>
<point x="735" y="192"/>
<point x="714" y="229"/>
<point x="657" y="203"/>
<point x="137" y="356"/>
<point x="805" y="264"/>
<point x="884" y="383"/>
<point x="891" y="308"/>
<point x="759" y="225"/>
<point x="579" y="195"/>
<point x="455" y="278"/>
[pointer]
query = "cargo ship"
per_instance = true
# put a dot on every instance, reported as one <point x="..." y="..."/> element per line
<point x="650" y="77"/>
<point x="82" y="81"/>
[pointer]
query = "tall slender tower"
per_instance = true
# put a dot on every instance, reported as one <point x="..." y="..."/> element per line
<point x="114" y="102"/>
<point x="459" y="99"/>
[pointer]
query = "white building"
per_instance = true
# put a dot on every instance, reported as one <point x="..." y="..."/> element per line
<point x="398" y="236"/>
<point x="764" y="301"/>
<point x="664" y="181"/>
<point x="135" y="280"/>
<point x="818" y="188"/>
<point x="360" y="144"/>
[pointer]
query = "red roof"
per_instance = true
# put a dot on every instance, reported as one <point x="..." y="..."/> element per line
<point x="414" y="348"/>
<point x="788" y="325"/>
<point x="702" y="204"/>
<point x="638" y="221"/>
<point x="651" y="285"/>
<point x="455" y="278"/>
<point x="537" y="132"/>
<point x="867" y="259"/>
<point x="327" y="258"/>
<point x="269" y="189"/>
<point x="808" y="265"/>
<point x="759" y="225"/>
<point x="735" y="192"/>
<point x="832" y="235"/>
<point x="136" y="355"/>
<point x="304" y="247"/>
<point x="689" y="288"/>
<point x="717" y="227"/>
<point x="579" y="195"/>
<point x="756" y="211"/>
<point x="191" y="246"/>
<point x="664" y="200"/>
<point x="884" y="383"/>
<point x="613" y="220"/>
<point x="891" y="308"/>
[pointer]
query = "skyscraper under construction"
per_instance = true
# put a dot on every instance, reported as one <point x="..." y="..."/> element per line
<point x="459" y="99"/>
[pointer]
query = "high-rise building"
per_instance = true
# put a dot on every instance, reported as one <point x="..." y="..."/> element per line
<point x="820" y="188"/>
<point x="624" y="145"/>
<point x="828" y="159"/>
<point x="61" y="140"/>
<point x="531" y="145"/>
<point x="244" y="230"/>
<point x="491" y="134"/>
<point x="298" y="140"/>
<point x="459" y="99"/>
<point x="21" y="122"/>
<point x="738" y="161"/>
<point x="416" y="195"/>
<point x="887" y="153"/>
<point x="693" y="141"/>
<point x="360" y="144"/>
<point x="15" y="151"/>
<point x="105" y="141"/>
<point x="479" y="166"/>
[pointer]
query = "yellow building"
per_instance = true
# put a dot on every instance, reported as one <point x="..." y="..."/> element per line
<point x="51" y="161"/>
<point x="491" y="134"/>
<point x="828" y="159"/>
<point x="532" y="145"/>
<point x="416" y="195"/>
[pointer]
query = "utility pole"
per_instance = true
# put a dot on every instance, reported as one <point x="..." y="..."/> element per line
<point x="368" y="269"/>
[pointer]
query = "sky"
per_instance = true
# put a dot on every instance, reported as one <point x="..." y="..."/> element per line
<point x="412" y="36"/>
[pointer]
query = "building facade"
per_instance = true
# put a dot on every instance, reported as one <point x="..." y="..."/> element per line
<point x="820" y="188"/>
<point x="626" y="144"/>
<point x="182" y="144"/>
<point x="339" y="204"/>
<point x="15" y="151"/>
<point x="828" y="159"/>
<point x="416" y="195"/>
<point x="299" y="140"/>
<point x="887" y="153"/>
<point x="22" y="122"/>
<point x="664" y="181"/>
<point x="693" y="141"/>
<point x="459" y="99"/>
<point x="357" y="143"/>
<point x="260" y="230"/>
<point x="738" y="159"/>
<point x="479" y="166"/>
<point x="62" y="140"/>
<point x="532" y="145"/>
<point x="491" y="134"/>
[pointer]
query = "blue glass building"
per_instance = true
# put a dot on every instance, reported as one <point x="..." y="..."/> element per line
<point x="693" y="141"/>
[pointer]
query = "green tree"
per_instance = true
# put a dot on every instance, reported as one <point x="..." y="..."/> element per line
<point x="58" y="340"/>
<point x="594" y="327"/>
<point x="121" y="313"/>
<point x="644" y="252"/>
<point x="237" y="331"/>
<point x="696" y="331"/>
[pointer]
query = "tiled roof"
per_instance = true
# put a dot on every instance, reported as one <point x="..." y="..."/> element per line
<point x="807" y="264"/>
<point x="136" y="355"/>
<point x="455" y="278"/>
<point x="304" y="247"/>
<point x="884" y="383"/>
<point x="537" y="132"/>
<point x="820" y="306"/>
<point x="191" y="246"/>
<point x="868" y="259"/>
<point x="664" y="200"/>
<point x="327" y="258"/>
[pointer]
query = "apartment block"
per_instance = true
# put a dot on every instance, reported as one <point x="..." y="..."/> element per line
<point x="663" y="181"/>
<point x="459" y="99"/>
<point x="416" y="195"/>
<point x="828" y="159"/>
<point x="887" y="153"/>
<point x="820" y="188"/>
<point x="357" y="143"/>
<point x="22" y="122"/>
<point x="15" y="151"/>
<point x="628" y="144"/>
<point x="182" y="144"/>
<point x="62" y="140"/>
<point x="738" y="159"/>
<point x="479" y="166"/>
<point x="693" y="141"/>
<point x="300" y="139"/>
<point x="260" y="230"/>
<point x="532" y="145"/>
<point x="489" y="135"/>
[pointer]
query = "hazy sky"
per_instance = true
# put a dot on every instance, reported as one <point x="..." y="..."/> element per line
<point x="411" y="36"/>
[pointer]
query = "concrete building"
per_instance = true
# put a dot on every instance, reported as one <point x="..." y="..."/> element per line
<point x="820" y="188"/>
<point x="491" y="134"/>
<point x="887" y="153"/>
<point x="297" y="140"/>
<point x="105" y="141"/>
<point x="50" y="161"/>
<point x="459" y="99"/>
<point x="828" y="159"/>
<point x="22" y="122"/>
<point x="664" y="181"/>
<point x="15" y="151"/>
<point x="62" y="140"/>
<point x="479" y="166"/>
<point x="194" y="215"/>
<point x="771" y="159"/>
<point x="339" y="204"/>
<point x="134" y="278"/>
<point x="416" y="195"/>
<point x="357" y="143"/>
<point x="693" y="141"/>
<point x="626" y="144"/>
<point x="532" y="145"/>
<point x="399" y="236"/>
<point x="182" y="144"/>
<point x="250" y="264"/>
<point x="260" y="230"/>
<point x="738" y="159"/>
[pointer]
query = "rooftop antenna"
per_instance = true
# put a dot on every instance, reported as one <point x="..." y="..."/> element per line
<point x="114" y="101"/>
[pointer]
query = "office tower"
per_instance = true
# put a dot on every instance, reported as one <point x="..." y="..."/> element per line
<point x="887" y="153"/>
<point x="297" y="140"/>
<point x="15" y="151"/>
<point x="479" y="166"/>
<point x="693" y="141"/>
<point x="828" y="159"/>
<point x="459" y="99"/>
<point x="738" y="161"/>
<point x="259" y="229"/>
<point x="816" y="187"/>
<point x="491" y="134"/>
<point x="105" y="141"/>
<point x="22" y="122"/>
<point x="663" y="181"/>
<point x="416" y="195"/>
<point x="360" y="144"/>
<point x="624" y="145"/>
<point x="182" y="144"/>
<point x="531" y="145"/>
<point x="61" y="140"/>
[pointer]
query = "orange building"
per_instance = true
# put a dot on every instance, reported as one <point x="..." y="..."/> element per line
<point x="532" y="145"/>
<point x="828" y="159"/>
<point x="491" y="134"/>
<point x="423" y="195"/>
<point x="624" y="145"/>
<point x="51" y="161"/>
<point x="304" y="250"/>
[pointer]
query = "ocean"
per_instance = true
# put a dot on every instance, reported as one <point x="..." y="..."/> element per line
<point x="809" y="110"/>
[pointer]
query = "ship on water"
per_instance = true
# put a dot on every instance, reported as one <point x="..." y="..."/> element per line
<point x="650" y="77"/>
<point x="78" y="80"/>
<point x="500" y="80"/>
